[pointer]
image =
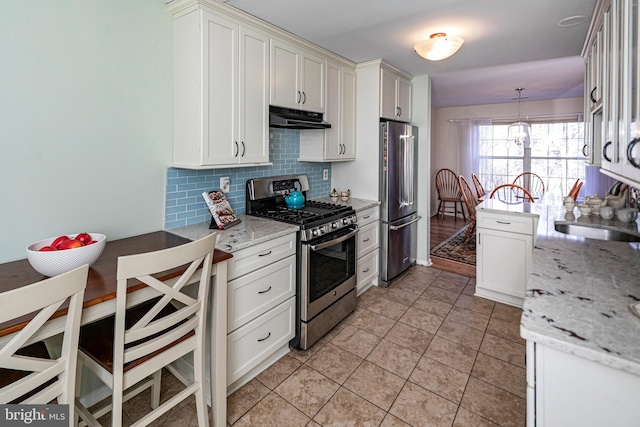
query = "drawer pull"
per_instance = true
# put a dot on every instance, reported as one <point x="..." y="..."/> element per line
<point x="264" y="292"/>
<point x="364" y="271"/>
<point x="365" y="217"/>
<point x="365" y="240"/>
<point x="265" y="338"/>
<point x="268" y="253"/>
<point x="503" y="222"/>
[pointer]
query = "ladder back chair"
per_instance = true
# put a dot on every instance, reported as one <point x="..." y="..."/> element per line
<point x="28" y="374"/>
<point x="471" y="202"/>
<point x="531" y="182"/>
<point x="480" y="191"/>
<point x="127" y="351"/>
<point x="511" y="193"/>
<point x="448" y="190"/>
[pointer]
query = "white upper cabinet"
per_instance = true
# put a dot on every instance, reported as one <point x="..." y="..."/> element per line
<point x="221" y="77"/>
<point x="395" y="96"/>
<point x="297" y="77"/>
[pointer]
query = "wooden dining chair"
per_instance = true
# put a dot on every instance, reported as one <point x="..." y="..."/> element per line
<point x="471" y="202"/>
<point x="480" y="191"/>
<point x="448" y="191"/>
<point x="511" y="193"/>
<point x="531" y="182"/>
<point x="127" y="351"/>
<point x="27" y="373"/>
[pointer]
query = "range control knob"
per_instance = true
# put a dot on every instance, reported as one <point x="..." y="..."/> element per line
<point x="314" y="232"/>
<point x="345" y="221"/>
<point x="334" y="224"/>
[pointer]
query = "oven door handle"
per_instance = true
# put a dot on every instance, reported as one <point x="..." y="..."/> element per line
<point x="398" y="227"/>
<point x="333" y="242"/>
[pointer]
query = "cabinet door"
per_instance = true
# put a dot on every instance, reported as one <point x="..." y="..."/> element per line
<point x="312" y="82"/>
<point x="404" y="99"/>
<point x="332" y="136"/>
<point x="348" y="115"/>
<point x="388" y="104"/>
<point x="220" y="111"/>
<point x="253" y="97"/>
<point x="610" y="153"/>
<point x="285" y="75"/>
<point x="629" y="133"/>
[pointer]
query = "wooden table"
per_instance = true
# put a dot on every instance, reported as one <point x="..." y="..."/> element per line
<point x="100" y="302"/>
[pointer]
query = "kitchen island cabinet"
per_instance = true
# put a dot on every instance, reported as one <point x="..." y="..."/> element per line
<point x="583" y="358"/>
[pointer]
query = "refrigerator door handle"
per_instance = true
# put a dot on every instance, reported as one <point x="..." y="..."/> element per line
<point x="406" y="179"/>
<point x="398" y="227"/>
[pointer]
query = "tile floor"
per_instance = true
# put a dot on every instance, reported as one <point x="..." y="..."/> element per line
<point x="423" y="352"/>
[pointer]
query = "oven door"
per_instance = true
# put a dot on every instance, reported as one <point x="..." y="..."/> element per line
<point x="328" y="267"/>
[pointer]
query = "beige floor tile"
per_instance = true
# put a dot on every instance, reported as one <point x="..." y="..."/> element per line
<point x="184" y="416"/>
<point x="449" y="285"/>
<point x="393" y="358"/>
<point x="452" y="354"/>
<point x="469" y="290"/>
<point x="279" y="371"/>
<point x="454" y="277"/>
<point x="507" y="313"/>
<point x="375" y="384"/>
<point x="371" y="322"/>
<point x="105" y="420"/>
<point x="422" y="273"/>
<point x="432" y="306"/>
<point x="501" y="374"/>
<point x="370" y="296"/>
<point x="506" y="330"/>
<point x="423" y="320"/>
<point x="387" y="308"/>
<point x="504" y="349"/>
<point x="466" y="418"/>
<point x="470" y="318"/>
<point x="307" y="390"/>
<point x="273" y="411"/>
<point x="413" y="284"/>
<point x="409" y="337"/>
<point x="356" y="341"/>
<point x="334" y="362"/>
<point x="440" y="379"/>
<point x="494" y="404"/>
<point x="440" y="294"/>
<point x="392" y="421"/>
<point x="313" y="424"/>
<point x="245" y="398"/>
<point x="333" y="332"/>
<point x="419" y="407"/>
<point x="477" y="304"/>
<point x="401" y="296"/>
<point x="348" y="409"/>
<point x="304" y="355"/>
<point x="461" y="334"/>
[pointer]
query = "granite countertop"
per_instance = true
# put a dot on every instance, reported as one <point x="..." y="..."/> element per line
<point x="250" y="231"/>
<point x="357" y="204"/>
<point x="579" y="291"/>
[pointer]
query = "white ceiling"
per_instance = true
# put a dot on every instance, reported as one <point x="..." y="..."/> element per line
<point x="508" y="43"/>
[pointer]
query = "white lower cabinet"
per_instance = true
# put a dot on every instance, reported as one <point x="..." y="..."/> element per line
<point x="261" y="307"/>
<point x="504" y="255"/>
<point x="568" y="390"/>
<point x="368" y="248"/>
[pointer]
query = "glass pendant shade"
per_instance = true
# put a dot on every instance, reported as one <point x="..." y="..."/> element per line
<point x="438" y="46"/>
<point x="519" y="132"/>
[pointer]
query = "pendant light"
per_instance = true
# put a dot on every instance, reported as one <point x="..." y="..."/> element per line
<point x="519" y="132"/>
<point x="438" y="46"/>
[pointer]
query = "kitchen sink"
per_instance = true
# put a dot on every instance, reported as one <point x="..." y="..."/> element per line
<point x="597" y="233"/>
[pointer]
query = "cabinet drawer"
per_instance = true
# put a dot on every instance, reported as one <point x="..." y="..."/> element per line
<point x="255" y="293"/>
<point x="368" y="238"/>
<point x="367" y="268"/>
<point x="257" y="340"/>
<point x="247" y="260"/>
<point x="511" y="223"/>
<point x="368" y="215"/>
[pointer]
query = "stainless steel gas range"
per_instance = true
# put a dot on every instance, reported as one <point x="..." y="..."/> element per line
<point x="326" y="255"/>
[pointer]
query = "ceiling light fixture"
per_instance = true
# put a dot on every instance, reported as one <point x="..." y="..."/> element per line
<point x="519" y="132"/>
<point x="438" y="46"/>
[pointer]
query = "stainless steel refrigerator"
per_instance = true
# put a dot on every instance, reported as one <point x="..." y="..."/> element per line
<point x="398" y="211"/>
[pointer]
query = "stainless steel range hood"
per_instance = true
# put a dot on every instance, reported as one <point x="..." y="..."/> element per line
<point x="288" y="118"/>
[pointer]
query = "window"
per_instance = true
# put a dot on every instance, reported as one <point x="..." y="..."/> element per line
<point x="554" y="155"/>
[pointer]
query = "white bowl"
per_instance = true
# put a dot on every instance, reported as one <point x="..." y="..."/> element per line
<point x="584" y="209"/>
<point x="52" y="263"/>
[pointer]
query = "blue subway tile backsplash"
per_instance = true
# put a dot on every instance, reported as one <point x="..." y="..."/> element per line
<point x="184" y="202"/>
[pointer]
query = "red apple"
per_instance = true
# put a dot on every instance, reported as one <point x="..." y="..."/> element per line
<point x="84" y="238"/>
<point x="71" y="244"/>
<point x="91" y="242"/>
<point x="58" y="240"/>
<point x="47" y="249"/>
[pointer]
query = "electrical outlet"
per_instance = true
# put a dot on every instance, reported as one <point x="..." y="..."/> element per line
<point x="325" y="174"/>
<point x="225" y="184"/>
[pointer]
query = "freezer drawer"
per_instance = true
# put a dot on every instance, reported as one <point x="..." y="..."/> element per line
<point x="398" y="247"/>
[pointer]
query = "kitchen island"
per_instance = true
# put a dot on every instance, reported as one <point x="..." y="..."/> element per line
<point x="583" y="350"/>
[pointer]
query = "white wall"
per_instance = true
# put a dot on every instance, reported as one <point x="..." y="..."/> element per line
<point x="85" y="118"/>
<point x="444" y="145"/>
